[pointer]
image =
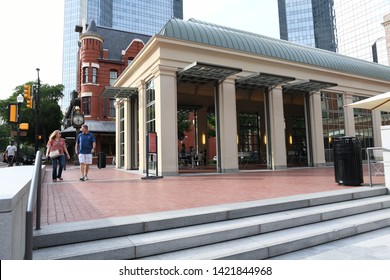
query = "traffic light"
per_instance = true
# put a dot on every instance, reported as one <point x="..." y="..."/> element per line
<point x="12" y="113"/>
<point x="27" y="96"/>
<point x="23" y="126"/>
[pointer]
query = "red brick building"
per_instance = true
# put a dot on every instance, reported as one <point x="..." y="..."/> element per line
<point x="103" y="55"/>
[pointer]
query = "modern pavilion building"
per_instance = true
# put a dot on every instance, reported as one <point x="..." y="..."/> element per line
<point x="273" y="100"/>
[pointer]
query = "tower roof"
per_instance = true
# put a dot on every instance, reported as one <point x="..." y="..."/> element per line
<point x="113" y="40"/>
<point x="92" y="31"/>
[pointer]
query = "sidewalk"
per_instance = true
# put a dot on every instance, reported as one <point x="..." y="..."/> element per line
<point x="110" y="192"/>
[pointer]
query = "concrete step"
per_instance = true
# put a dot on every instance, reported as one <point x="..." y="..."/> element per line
<point x="211" y="234"/>
<point x="281" y="242"/>
<point x="68" y="233"/>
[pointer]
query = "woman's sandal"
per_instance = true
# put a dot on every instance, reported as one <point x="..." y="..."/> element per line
<point x="55" y="180"/>
<point x="60" y="179"/>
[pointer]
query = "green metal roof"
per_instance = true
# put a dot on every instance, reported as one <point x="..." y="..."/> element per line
<point x="225" y="37"/>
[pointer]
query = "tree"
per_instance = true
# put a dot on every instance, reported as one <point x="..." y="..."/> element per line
<point x="50" y="114"/>
<point x="183" y="123"/>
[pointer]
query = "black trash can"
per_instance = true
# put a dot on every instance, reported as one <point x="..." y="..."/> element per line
<point x="348" y="166"/>
<point x="101" y="160"/>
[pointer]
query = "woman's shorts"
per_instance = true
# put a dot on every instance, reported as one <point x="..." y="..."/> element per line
<point x="85" y="158"/>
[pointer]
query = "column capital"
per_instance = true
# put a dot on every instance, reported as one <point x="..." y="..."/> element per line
<point x="164" y="70"/>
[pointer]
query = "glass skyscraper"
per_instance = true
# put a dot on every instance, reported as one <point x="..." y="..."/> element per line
<point x="308" y="22"/>
<point x="359" y="29"/>
<point x="352" y="27"/>
<point x="137" y="16"/>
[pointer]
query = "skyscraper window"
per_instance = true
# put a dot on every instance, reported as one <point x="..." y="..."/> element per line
<point x="308" y="22"/>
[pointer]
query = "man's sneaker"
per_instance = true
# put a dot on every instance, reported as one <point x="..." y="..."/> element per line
<point x="85" y="178"/>
<point x="82" y="178"/>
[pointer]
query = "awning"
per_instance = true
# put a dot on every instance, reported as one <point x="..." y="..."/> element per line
<point x="378" y="102"/>
<point x="120" y="92"/>
<point x="262" y="80"/>
<point x="203" y="73"/>
<point x="94" y="127"/>
<point x="307" y="86"/>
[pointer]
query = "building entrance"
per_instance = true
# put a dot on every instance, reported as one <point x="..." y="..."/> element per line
<point x="295" y="128"/>
<point x="250" y="153"/>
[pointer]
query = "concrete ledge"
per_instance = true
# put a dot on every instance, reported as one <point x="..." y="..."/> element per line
<point x="14" y="194"/>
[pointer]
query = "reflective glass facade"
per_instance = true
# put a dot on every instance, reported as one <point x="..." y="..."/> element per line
<point x="144" y="17"/>
<point x="333" y="123"/>
<point x="359" y="28"/>
<point x="308" y="22"/>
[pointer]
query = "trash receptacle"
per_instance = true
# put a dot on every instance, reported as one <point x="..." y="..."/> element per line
<point x="348" y="165"/>
<point x="101" y="160"/>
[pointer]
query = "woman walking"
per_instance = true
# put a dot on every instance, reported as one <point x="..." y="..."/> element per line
<point x="56" y="150"/>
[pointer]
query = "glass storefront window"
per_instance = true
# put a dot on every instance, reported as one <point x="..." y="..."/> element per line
<point x="122" y="134"/>
<point x="385" y="117"/>
<point x="150" y="107"/>
<point x="249" y="138"/>
<point x="363" y="127"/>
<point x="332" y="121"/>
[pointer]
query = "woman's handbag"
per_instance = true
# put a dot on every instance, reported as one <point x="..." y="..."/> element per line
<point x="54" y="154"/>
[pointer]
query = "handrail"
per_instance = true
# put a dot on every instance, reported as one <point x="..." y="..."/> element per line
<point x="369" y="159"/>
<point x="35" y="193"/>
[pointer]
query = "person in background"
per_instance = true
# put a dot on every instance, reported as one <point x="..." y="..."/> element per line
<point x="57" y="143"/>
<point x="11" y="153"/>
<point x="85" y="147"/>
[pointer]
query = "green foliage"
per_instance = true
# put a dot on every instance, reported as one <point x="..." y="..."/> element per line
<point x="183" y="123"/>
<point x="50" y="114"/>
<point x="211" y="125"/>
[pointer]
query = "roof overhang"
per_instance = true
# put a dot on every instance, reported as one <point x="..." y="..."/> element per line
<point x="262" y="80"/>
<point x="94" y="126"/>
<point x="203" y="73"/>
<point x="120" y="92"/>
<point x="307" y="86"/>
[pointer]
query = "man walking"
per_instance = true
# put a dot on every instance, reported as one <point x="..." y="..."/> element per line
<point x="85" y="147"/>
<point x="11" y="153"/>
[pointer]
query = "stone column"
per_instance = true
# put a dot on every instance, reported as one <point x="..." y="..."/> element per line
<point x="141" y="125"/>
<point x="376" y="127"/>
<point x="228" y="126"/>
<point x="166" y="119"/>
<point x="317" y="130"/>
<point x="278" y="134"/>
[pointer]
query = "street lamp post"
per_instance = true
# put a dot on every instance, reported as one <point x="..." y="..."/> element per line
<point x="36" y="101"/>
<point x="20" y="100"/>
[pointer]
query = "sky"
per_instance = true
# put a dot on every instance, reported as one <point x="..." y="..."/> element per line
<point x="32" y="32"/>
